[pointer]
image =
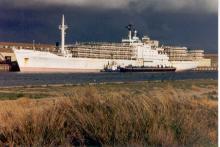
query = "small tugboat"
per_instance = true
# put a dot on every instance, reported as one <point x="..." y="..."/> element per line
<point x="113" y="67"/>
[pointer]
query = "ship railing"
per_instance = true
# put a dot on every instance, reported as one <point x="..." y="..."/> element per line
<point x="97" y="43"/>
<point x="181" y="60"/>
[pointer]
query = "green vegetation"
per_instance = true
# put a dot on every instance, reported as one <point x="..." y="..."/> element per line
<point x="10" y="96"/>
<point x="16" y="95"/>
<point x="178" y="113"/>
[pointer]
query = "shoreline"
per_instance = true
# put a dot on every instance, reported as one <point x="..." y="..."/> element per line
<point x="57" y="90"/>
<point x="100" y="83"/>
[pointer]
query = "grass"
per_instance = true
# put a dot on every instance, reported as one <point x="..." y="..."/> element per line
<point x="10" y="96"/>
<point x="138" y="114"/>
<point x="17" y="95"/>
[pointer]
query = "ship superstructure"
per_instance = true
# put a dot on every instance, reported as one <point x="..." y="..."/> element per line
<point x="93" y="57"/>
<point x="180" y="57"/>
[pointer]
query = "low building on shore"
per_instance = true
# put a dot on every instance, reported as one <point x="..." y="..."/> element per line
<point x="7" y="55"/>
<point x="32" y="46"/>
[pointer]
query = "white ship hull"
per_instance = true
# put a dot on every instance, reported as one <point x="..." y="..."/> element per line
<point x="37" y="61"/>
<point x="184" y="65"/>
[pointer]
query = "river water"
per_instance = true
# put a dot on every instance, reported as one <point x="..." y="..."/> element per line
<point x="24" y="79"/>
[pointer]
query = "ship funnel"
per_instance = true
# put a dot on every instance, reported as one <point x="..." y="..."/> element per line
<point x="63" y="28"/>
<point x="130" y="28"/>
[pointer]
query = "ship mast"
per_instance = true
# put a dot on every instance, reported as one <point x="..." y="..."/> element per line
<point x="129" y="32"/>
<point x="63" y="28"/>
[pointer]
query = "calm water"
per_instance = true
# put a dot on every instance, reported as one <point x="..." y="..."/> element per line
<point x="22" y="79"/>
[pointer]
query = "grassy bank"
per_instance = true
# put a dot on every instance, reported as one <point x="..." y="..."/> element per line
<point x="169" y="113"/>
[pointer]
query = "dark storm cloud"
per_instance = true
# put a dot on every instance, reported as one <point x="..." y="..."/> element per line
<point x="209" y="6"/>
<point x="193" y="24"/>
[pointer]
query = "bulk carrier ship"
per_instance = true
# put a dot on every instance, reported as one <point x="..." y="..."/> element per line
<point x="94" y="57"/>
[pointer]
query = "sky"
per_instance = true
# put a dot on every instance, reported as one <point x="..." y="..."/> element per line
<point x="190" y="23"/>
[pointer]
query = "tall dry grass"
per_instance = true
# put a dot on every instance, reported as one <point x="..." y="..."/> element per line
<point x="87" y="116"/>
